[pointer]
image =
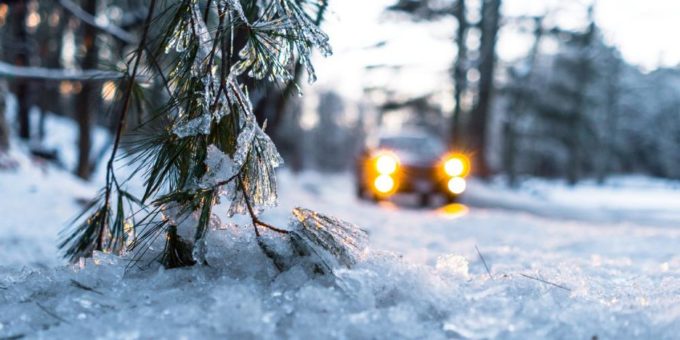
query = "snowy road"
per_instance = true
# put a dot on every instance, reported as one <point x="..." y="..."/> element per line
<point x="422" y="235"/>
<point x="569" y="272"/>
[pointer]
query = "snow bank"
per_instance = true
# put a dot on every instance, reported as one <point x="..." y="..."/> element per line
<point x="240" y="294"/>
<point x="620" y="198"/>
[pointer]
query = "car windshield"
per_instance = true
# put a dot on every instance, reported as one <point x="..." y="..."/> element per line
<point x="413" y="144"/>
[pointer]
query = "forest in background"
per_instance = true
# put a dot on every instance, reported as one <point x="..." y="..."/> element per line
<point x="571" y="108"/>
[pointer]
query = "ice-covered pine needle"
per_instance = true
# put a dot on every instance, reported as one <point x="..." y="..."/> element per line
<point x="336" y="242"/>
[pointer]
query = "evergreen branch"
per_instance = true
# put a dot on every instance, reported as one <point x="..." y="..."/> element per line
<point x="121" y="119"/>
<point x="256" y="221"/>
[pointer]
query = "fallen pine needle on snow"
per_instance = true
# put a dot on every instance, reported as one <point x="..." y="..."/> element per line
<point x="484" y="262"/>
<point x="546" y="282"/>
<point x="84" y="287"/>
<point x="50" y="313"/>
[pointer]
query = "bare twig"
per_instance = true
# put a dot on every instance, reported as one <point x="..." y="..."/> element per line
<point x="87" y="18"/>
<point x="124" y="111"/>
<point x="546" y="282"/>
<point x="41" y="73"/>
<point x="256" y="221"/>
<point x="484" y="262"/>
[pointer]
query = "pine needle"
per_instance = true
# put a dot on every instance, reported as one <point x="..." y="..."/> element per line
<point x="50" y="313"/>
<point x="484" y="262"/>
<point x="84" y="287"/>
<point x="546" y="282"/>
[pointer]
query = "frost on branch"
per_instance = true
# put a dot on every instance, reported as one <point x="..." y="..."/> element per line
<point x="337" y="243"/>
<point x="257" y="157"/>
<point x="220" y="168"/>
<point x="204" y="143"/>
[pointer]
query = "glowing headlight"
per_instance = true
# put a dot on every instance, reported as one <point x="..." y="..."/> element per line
<point x="386" y="164"/>
<point x="456" y="165"/>
<point x="383" y="184"/>
<point x="457" y="185"/>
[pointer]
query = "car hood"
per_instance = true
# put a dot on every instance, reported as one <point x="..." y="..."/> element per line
<point x="414" y="159"/>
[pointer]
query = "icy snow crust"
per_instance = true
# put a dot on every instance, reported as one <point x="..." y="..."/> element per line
<point x="241" y="295"/>
<point x="421" y="278"/>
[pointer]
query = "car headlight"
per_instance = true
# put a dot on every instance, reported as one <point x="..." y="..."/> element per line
<point x="384" y="184"/>
<point x="386" y="164"/>
<point x="456" y="165"/>
<point x="457" y="185"/>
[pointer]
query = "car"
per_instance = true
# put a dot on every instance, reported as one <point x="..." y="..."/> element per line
<point x="410" y="162"/>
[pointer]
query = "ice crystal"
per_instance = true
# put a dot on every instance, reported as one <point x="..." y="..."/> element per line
<point x="202" y="34"/>
<point x="336" y="242"/>
<point x="193" y="127"/>
<point x="257" y="157"/>
<point x="269" y="55"/>
<point x="220" y="166"/>
<point x="235" y="6"/>
<point x="199" y="250"/>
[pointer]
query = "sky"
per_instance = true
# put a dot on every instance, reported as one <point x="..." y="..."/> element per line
<point x="420" y="54"/>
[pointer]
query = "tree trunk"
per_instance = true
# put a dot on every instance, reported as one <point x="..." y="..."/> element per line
<point x="4" y="129"/>
<point x="481" y="112"/>
<point x="50" y="42"/>
<point x="459" y="74"/>
<point x="519" y="106"/>
<point x="19" y="12"/>
<point x="88" y="98"/>
<point x="575" y="142"/>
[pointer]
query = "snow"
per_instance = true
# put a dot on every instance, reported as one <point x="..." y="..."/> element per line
<point x="563" y="263"/>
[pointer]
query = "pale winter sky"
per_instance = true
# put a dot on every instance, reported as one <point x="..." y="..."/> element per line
<point x="644" y="30"/>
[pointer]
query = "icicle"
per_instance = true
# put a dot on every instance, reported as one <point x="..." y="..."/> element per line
<point x="336" y="242"/>
<point x="205" y="40"/>
<point x="199" y="251"/>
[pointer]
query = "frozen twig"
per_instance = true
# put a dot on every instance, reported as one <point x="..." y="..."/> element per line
<point x="256" y="221"/>
<point x="546" y="282"/>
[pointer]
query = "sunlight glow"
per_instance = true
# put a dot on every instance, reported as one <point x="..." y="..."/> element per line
<point x="109" y="91"/>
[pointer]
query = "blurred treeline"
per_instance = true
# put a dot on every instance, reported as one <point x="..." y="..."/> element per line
<point x="570" y="108"/>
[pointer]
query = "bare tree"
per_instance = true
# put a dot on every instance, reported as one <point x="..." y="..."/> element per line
<point x="522" y="91"/>
<point x="4" y="129"/>
<point x="459" y="73"/>
<point x="480" y="113"/>
<point x="20" y="46"/>
<point x="89" y="95"/>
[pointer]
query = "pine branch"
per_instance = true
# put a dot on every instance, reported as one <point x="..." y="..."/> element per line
<point x="256" y="221"/>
